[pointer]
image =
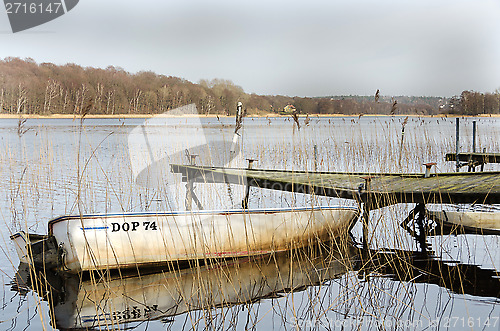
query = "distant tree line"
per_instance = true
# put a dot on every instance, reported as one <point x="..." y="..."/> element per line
<point x="27" y="87"/>
<point x="474" y="103"/>
<point x="31" y="88"/>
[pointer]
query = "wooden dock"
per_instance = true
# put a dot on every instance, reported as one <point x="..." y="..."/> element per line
<point x="479" y="158"/>
<point x="378" y="189"/>
<point x="473" y="160"/>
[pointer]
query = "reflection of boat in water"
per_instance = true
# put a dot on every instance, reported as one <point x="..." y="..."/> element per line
<point x="103" y="304"/>
<point x="484" y="222"/>
<point x="89" y="242"/>
<point x="106" y="301"/>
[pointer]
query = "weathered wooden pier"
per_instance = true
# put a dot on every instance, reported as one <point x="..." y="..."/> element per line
<point x="379" y="189"/>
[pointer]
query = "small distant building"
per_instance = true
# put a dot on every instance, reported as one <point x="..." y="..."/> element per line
<point x="289" y="109"/>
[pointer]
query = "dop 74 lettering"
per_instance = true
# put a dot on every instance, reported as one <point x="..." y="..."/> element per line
<point x="133" y="226"/>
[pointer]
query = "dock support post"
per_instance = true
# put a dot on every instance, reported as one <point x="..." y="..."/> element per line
<point x="189" y="192"/>
<point x="190" y="196"/>
<point x="471" y="162"/>
<point x="367" y="201"/>
<point x="244" y="203"/>
<point x="482" y="164"/>
<point x="457" y="130"/>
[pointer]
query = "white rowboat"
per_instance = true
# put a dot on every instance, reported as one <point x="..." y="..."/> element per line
<point x="111" y="241"/>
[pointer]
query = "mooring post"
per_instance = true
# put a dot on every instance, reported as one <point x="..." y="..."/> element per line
<point x="472" y="166"/>
<point x="315" y="157"/>
<point x="244" y="203"/>
<point x="239" y="121"/>
<point x="428" y="167"/>
<point x="192" y="160"/>
<point x="401" y="147"/>
<point x="457" y="130"/>
<point x="473" y="136"/>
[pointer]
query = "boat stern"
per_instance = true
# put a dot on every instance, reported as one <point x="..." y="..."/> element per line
<point x="36" y="249"/>
<point x="20" y="240"/>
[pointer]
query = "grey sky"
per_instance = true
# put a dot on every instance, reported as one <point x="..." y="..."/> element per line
<point x="305" y="48"/>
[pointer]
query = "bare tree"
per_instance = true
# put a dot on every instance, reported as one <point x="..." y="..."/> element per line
<point x="51" y="92"/>
<point x="98" y="97"/>
<point x="134" y="103"/>
<point x="110" y="101"/>
<point x="21" y="99"/>
<point x="1" y="99"/>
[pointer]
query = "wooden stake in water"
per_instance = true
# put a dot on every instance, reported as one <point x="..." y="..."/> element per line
<point x="315" y="157"/>
<point x="239" y="120"/>
<point x="402" y="141"/>
<point x="473" y="136"/>
<point x="457" y="144"/>
<point x="234" y="144"/>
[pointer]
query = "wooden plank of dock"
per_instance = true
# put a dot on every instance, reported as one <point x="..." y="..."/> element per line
<point x="384" y="188"/>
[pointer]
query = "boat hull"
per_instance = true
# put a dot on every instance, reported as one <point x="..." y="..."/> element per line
<point x="476" y="221"/>
<point x="137" y="240"/>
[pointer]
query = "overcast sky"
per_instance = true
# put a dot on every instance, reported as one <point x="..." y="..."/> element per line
<point x="303" y="48"/>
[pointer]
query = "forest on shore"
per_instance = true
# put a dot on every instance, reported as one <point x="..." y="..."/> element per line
<point x="27" y="87"/>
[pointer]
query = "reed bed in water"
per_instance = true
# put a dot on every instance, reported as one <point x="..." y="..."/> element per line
<point x="326" y="284"/>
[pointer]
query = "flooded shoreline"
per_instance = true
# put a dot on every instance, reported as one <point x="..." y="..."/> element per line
<point x="272" y="115"/>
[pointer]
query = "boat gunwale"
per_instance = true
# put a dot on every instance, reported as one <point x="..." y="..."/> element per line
<point x="26" y="236"/>
<point x="18" y="234"/>
<point x="197" y="212"/>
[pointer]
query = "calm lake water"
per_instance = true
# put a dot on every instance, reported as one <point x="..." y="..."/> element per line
<point x="64" y="166"/>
